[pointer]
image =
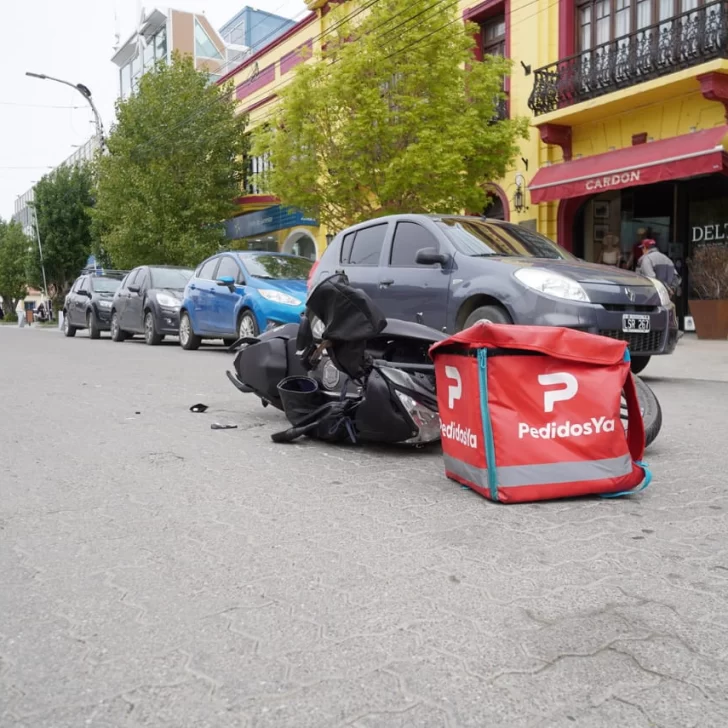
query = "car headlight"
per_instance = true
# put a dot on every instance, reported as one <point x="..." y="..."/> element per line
<point x="104" y="304"/>
<point x="278" y="297"/>
<point x="552" y="284"/>
<point x="662" y="290"/>
<point x="164" y="299"/>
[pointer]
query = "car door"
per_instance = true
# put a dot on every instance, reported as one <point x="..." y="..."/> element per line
<point x="225" y="301"/>
<point x="71" y="301"/>
<point x="122" y="299"/>
<point x="133" y="314"/>
<point x="202" y="294"/>
<point x="361" y="251"/>
<point x="409" y="290"/>
<point x="80" y="300"/>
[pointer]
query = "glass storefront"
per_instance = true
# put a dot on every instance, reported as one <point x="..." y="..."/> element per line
<point x="677" y="215"/>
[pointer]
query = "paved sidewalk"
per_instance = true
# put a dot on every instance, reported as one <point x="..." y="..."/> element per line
<point x="154" y="572"/>
<point x="692" y="359"/>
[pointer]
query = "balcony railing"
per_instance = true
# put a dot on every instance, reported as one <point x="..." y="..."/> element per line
<point x="686" y="40"/>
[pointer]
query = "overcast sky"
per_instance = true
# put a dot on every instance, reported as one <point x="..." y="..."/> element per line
<point x="40" y="121"/>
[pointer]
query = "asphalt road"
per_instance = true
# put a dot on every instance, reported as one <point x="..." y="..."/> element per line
<point x="154" y="572"/>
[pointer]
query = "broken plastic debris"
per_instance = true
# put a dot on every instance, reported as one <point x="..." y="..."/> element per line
<point x="218" y="426"/>
<point x="198" y="407"/>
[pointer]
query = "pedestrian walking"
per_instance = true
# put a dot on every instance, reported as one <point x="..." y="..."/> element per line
<point x="655" y="264"/>
<point x="20" y="311"/>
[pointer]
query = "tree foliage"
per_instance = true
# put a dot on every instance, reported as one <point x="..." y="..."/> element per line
<point x="173" y="171"/>
<point x="62" y="203"/>
<point x="14" y="246"/>
<point x="394" y="116"/>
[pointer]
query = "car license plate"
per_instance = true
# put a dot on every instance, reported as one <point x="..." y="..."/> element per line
<point x="635" y="323"/>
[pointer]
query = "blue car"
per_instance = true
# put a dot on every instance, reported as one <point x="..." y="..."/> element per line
<point x="242" y="293"/>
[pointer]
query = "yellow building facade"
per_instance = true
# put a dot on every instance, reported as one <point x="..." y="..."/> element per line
<point x="627" y="102"/>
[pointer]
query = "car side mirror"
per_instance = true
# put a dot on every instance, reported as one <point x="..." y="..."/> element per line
<point x="84" y="292"/>
<point x="227" y="281"/>
<point x="134" y="289"/>
<point x="431" y="256"/>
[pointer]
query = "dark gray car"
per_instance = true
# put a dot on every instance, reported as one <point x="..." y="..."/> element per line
<point x="450" y="271"/>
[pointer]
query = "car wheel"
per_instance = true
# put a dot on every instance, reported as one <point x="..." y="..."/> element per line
<point x="491" y="314"/>
<point x="247" y="326"/>
<point x="93" y="326"/>
<point x="116" y="333"/>
<point x="638" y="363"/>
<point x="151" y="336"/>
<point x="68" y="330"/>
<point x="188" y="339"/>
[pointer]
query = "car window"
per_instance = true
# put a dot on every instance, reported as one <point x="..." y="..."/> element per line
<point x="346" y="247"/>
<point x="278" y="267"/>
<point x="105" y="285"/>
<point x="174" y="278"/>
<point x="476" y="238"/>
<point x="76" y="284"/>
<point x="142" y="279"/>
<point x="131" y="277"/>
<point x="409" y="238"/>
<point x="228" y="267"/>
<point x="82" y="284"/>
<point x="367" y="245"/>
<point x="207" y="272"/>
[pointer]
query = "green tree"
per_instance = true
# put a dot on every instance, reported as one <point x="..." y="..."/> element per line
<point x="174" y="168"/>
<point x="62" y="203"/>
<point x="14" y="246"/>
<point x="395" y="116"/>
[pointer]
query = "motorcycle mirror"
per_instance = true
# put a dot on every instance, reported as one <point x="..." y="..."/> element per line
<point x="431" y="256"/>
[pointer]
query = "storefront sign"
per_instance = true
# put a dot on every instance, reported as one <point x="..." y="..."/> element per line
<point x="266" y="221"/>
<point x="613" y="180"/>
<point x="710" y="233"/>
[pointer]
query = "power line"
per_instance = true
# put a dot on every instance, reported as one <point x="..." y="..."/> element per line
<point x="38" y="106"/>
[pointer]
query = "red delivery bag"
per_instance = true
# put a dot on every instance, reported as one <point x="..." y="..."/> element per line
<point x="533" y="413"/>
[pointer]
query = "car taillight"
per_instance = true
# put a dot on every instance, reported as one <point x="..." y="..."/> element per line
<point x="311" y="273"/>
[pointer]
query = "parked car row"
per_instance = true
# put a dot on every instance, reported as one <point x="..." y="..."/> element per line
<point x="229" y="295"/>
<point x="444" y="271"/>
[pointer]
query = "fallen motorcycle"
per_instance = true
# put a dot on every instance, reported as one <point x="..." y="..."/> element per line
<point x="341" y="339"/>
<point x="324" y="376"/>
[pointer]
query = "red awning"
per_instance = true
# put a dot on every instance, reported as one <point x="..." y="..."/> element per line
<point x="701" y="152"/>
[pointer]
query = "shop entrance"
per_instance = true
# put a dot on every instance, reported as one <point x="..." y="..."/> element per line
<point x="608" y="227"/>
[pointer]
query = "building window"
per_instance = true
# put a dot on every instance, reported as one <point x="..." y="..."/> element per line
<point x="493" y="43"/>
<point x="125" y="75"/>
<point x="493" y="34"/>
<point x="160" y="45"/>
<point x="605" y="21"/>
<point x="255" y="178"/>
<point x="204" y="47"/>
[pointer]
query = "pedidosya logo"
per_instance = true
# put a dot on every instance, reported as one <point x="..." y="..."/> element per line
<point x="452" y="430"/>
<point x="554" y="430"/>
<point x="463" y="435"/>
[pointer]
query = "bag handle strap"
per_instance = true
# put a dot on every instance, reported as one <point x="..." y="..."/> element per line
<point x="635" y="425"/>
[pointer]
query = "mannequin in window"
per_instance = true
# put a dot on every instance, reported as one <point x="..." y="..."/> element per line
<point x="611" y="252"/>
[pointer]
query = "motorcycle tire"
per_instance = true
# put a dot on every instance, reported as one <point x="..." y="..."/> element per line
<point x="650" y="408"/>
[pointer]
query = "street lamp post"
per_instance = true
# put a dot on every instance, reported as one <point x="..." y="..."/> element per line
<point x="86" y="93"/>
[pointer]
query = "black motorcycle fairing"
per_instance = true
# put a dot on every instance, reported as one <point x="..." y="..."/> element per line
<point x="379" y="416"/>
<point x="261" y="365"/>
<point x="398" y="329"/>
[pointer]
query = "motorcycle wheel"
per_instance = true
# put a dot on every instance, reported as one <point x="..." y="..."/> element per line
<point x="651" y="411"/>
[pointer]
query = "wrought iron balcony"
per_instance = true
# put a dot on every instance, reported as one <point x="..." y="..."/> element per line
<point x="681" y="42"/>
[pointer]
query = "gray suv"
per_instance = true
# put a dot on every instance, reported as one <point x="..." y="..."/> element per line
<point x="449" y="271"/>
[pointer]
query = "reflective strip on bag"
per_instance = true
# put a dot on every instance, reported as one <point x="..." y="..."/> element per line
<point x="515" y="476"/>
